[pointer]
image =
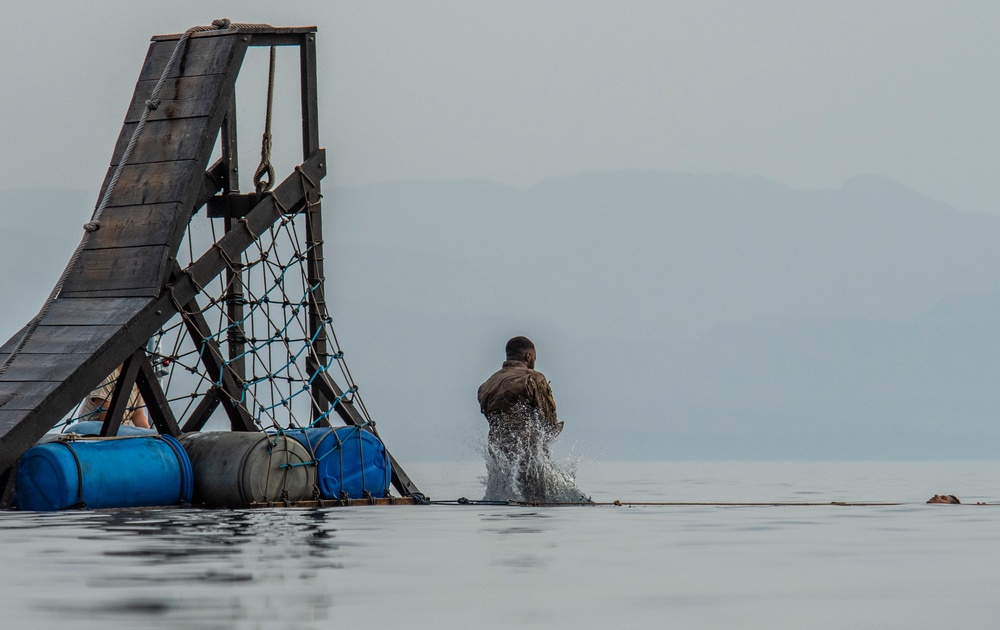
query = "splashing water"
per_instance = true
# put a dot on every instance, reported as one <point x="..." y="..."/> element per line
<point x="519" y="464"/>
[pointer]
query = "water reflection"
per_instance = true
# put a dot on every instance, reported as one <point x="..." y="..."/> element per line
<point x="171" y="568"/>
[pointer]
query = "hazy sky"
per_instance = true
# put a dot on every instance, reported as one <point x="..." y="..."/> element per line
<point x="805" y="94"/>
<point x="802" y="93"/>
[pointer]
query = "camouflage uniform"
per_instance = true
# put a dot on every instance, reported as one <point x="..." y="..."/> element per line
<point x="518" y="404"/>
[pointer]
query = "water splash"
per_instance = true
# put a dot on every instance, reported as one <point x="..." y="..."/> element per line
<point x="520" y="467"/>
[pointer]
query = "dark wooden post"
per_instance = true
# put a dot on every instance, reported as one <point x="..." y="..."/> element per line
<point x="120" y="395"/>
<point x="314" y="219"/>
<point x="235" y="338"/>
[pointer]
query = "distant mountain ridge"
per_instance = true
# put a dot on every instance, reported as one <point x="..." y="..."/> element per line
<point x="722" y="316"/>
<point x="676" y="315"/>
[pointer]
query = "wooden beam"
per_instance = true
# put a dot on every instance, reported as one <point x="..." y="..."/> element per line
<point x="219" y="371"/>
<point x="120" y="396"/>
<point x="235" y="339"/>
<point x="160" y="414"/>
<point x="209" y="402"/>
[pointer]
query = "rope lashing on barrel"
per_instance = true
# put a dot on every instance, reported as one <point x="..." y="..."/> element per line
<point x="265" y="167"/>
<point x="94" y="224"/>
<point x="339" y="447"/>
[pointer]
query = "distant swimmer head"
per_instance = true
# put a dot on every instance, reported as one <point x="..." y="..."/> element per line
<point x="944" y="498"/>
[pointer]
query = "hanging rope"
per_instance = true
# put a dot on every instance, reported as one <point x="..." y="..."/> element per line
<point x="265" y="168"/>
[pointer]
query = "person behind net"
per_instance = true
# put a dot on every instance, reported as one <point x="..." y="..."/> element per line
<point x="95" y="406"/>
<point x="518" y="404"/>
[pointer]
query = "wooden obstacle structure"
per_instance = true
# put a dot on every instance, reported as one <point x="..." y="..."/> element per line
<point x="128" y="282"/>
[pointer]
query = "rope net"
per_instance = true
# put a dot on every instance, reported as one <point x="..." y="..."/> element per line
<point x="259" y="316"/>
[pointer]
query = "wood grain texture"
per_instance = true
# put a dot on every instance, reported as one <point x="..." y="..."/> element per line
<point x="165" y="140"/>
<point x="199" y="56"/>
<point x="163" y="182"/>
<point x="134" y="226"/>
<point x="119" y="269"/>
<point x="86" y="312"/>
<point x="69" y="339"/>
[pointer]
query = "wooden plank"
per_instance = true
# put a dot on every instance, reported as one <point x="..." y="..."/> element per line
<point x="132" y="226"/>
<point x="88" y="311"/>
<point x="11" y="343"/>
<point x="118" y="269"/>
<point x="172" y="108"/>
<point x="162" y="182"/>
<point x="199" y="56"/>
<point x="10" y="418"/>
<point x="40" y="367"/>
<point x="146" y="293"/>
<point x="165" y="140"/>
<point x="276" y="30"/>
<point x="25" y="395"/>
<point x="69" y="339"/>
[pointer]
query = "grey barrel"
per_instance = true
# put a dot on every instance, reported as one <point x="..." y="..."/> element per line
<point x="236" y="468"/>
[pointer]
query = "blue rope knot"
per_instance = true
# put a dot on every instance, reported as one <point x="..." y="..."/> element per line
<point x="295" y="464"/>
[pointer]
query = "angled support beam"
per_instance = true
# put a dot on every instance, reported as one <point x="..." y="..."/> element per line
<point x="350" y="415"/>
<point x="314" y="216"/>
<point x="217" y="368"/>
<point x="157" y="406"/>
<point x="209" y="402"/>
<point x="120" y="395"/>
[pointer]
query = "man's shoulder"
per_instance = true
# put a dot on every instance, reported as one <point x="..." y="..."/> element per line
<point x="537" y="378"/>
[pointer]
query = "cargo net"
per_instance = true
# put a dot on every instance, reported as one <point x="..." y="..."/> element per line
<point x="258" y="316"/>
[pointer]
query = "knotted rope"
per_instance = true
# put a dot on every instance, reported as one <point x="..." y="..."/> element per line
<point x="95" y="221"/>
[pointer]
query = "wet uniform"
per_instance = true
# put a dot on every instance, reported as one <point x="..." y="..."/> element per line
<point x="511" y="399"/>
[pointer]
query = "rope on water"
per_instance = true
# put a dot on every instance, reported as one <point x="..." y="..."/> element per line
<point x="617" y="503"/>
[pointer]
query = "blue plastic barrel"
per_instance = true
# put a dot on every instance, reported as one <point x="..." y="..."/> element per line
<point x="349" y="460"/>
<point x="104" y="473"/>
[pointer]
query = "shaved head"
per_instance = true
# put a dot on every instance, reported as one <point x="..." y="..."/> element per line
<point x="518" y="347"/>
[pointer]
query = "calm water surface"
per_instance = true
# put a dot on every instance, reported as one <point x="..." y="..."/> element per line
<point x="907" y="566"/>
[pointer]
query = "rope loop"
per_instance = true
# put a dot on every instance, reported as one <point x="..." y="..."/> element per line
<point x="91" y="226"/>
<point x="265" y="167"/>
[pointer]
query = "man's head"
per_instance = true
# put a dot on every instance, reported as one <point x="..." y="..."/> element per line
<point x="521" y="349"/>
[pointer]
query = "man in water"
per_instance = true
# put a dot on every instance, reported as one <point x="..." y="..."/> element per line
<point x="517" y="402"/>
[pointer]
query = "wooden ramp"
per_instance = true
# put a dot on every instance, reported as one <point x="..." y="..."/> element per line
<point x="127" y="282"/>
